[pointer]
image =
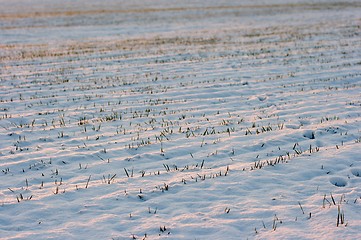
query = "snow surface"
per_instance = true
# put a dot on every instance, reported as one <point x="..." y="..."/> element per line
<point x="180" y="119"/>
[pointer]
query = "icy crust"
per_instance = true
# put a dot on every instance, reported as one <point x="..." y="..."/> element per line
<point x="192" y="120"/>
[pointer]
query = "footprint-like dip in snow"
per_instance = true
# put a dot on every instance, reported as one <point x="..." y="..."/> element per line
<point x="304" y="122"/>
<point x="262" y="98"/>
<point x="309" y="134"/>
<point x="356" y="172"/>
<point x="338" y="181"/>
<point x="292" y="126"/>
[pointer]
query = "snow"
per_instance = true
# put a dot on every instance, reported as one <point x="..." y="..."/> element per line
<point x="180" y="119"/>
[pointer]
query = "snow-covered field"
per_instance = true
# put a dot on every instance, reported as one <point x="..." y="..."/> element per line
<point x="180" y="119"/>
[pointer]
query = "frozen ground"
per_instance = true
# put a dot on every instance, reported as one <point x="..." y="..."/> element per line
<point x="180" y="119"/>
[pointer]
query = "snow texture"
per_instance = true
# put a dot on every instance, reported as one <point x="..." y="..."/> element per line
<point x="180" y="119"/>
